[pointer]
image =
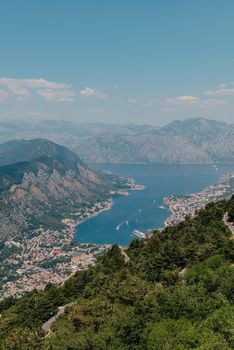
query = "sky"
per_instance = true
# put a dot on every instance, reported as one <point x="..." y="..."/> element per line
<point x="117" y="61"/>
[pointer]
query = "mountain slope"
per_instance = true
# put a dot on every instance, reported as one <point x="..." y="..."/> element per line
<point x="28" y="150"/>
<point x="175" y="292"/>
<point x="48" y="178"/>
<point x="222" y="149"/>
<point x="149" y="147"/>
<point x="192" y="141"/>
<point x="197" y="130"/>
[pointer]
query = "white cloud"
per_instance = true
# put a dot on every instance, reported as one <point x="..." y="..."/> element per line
<point x="189" y="99"/>
<point x="180" y="100"/>
<point x="221" y="90"/>
<point x="92" y="92"/>
<point x="132" y="100"/>
<point x="21" y="89"/>
<point x="57" y="95"/>
<point x="13" y="83"/>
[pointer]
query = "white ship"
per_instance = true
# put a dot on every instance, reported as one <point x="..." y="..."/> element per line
<point x="139" y="234"/>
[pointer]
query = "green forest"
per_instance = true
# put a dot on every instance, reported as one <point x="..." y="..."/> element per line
<point x="176" y="292"/>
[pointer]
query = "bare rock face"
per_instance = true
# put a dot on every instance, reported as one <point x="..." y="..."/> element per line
<point x="55" y="182"/>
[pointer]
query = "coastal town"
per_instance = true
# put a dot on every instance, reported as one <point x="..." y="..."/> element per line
<point x="50" y="256"/>
<point x="55" y="269"/>
<point x="182" y="206"/>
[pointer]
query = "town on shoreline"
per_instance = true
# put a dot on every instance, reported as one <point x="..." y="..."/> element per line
<point x="50" y="256"/>
<point x="182" y="206"/>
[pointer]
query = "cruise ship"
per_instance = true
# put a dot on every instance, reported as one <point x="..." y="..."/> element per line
<point x="139" y="234"/>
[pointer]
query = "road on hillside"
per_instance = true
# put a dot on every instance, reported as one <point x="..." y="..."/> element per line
<point x="126" y="257"/>
<point x="46" y="327"/>
<point x="228" y="224"/>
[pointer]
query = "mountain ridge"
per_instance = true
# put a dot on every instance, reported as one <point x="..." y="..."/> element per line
<point x="191" y="141"/>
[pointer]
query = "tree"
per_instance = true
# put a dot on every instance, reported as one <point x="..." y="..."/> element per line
<point x="183" y="335"/>
<point x="23" y="339"/>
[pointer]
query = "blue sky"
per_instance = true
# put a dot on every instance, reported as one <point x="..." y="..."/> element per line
<point x="117" y="61"/>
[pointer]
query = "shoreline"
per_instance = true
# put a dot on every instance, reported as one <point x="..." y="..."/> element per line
<point x="55" y="249"/>
<point x="51" y="255"/>
<point x="102" y="206"/>
<point x="183" y="205"/>
<point x="89" y="213"/>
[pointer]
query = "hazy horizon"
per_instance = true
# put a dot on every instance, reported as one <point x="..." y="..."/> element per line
<point x="25" y="121"/>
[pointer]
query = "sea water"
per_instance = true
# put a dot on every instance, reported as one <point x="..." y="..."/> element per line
<point x="144" y="210"/>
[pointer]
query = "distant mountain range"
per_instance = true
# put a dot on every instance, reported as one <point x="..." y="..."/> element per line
<point x="41" y="181"/>
<point x="193" y="141"/>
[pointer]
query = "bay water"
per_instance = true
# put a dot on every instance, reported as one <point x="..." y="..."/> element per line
<point x="143" y="210"/>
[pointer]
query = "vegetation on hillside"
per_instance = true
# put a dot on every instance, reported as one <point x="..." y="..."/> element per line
<point x="175" y="293"/>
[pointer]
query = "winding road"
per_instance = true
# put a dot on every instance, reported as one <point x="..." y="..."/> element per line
<point x="126" y="257"/>
<point x="229" y="225"/>
<point x="46" y="327"/>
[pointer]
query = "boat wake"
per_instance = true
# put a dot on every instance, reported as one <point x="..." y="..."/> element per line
<point x="126" y="222"/>
<point x="121" y="224"/>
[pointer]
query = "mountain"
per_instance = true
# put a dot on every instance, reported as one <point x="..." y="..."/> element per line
<point x="28" y="150"/>
<point x="44" y="180"/>
<point x="197" y="130"/>
<point x="63" y="132"/>
<point x="192" y="141"/>
<point x="150" y="147"/>
<point x="173" y="290"/>
<point x="221" y="149"/>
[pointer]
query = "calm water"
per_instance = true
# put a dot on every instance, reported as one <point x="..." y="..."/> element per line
<point x="141" y="209"/>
